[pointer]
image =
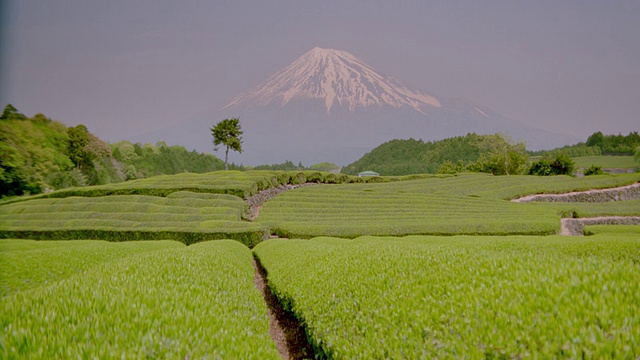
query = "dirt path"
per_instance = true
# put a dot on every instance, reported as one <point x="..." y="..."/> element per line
<point x="575" y="226"/>
<point x="284" y="328"/>
<point x="255" y="202"/>
<point x="622" y="193"/>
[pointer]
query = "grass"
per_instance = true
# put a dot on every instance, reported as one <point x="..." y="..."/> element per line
<point x="186" y="302"/>
<point x="607" y="162"/>
<point x="462" y="297"/>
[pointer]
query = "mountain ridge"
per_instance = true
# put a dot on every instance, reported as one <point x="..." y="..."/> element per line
<point x="329" y="106"/>
<point x="336" y="76"/>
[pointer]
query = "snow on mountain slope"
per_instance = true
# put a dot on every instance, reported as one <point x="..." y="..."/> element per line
<point x="339" y="79"/>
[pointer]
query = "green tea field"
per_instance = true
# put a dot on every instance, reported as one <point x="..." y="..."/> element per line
<point x="415" y="267"/>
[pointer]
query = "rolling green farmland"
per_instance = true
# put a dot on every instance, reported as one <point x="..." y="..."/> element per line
<point x="464" y="204"/>
<point x="239" y="183"/>
<point x="611" y="162"/>
<point x="28" y="264"/>
<point x="462" y="297"/>
<point x="186" y="302"/>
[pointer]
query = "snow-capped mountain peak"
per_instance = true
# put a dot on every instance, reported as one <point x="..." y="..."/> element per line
<point x="339" y="79"/>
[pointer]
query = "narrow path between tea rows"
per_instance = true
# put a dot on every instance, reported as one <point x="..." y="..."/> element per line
<point x="285" y="330"/>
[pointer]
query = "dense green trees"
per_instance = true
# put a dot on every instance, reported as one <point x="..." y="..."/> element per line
<point x="228" y="133"/>
<point x="562" y="164"/>
<point x="486" y="153"/>
<point x="614" y="144"/>
<point x="403" y="157"/>
<point x="32" y="153"/>
<point x="287" y="165"/>
<point x="500" y="155"/>
<point x="141" y="161"/>
<point x="38" y="154"/>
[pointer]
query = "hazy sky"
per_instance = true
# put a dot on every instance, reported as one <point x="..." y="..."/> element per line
<point x="122" y="67"/>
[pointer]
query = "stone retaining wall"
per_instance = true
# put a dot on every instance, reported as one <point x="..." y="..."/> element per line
<point x="623" y="193"/>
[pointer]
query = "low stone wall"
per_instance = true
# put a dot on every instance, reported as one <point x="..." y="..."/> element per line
<point x="575" y="226"/>
<point x="255" y="202"/>
<point x="623" y="193"/>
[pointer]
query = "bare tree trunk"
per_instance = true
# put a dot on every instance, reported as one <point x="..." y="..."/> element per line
<point x="226" y="156"/>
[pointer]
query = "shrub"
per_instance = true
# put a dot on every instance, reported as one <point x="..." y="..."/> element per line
<point x="560" y="165"/>
<point x="593" y="170"/>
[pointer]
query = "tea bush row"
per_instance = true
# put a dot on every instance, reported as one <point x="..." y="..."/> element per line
<point x="346" y="211"/>
<point x="192" y="302"/>
<point x="184" y="217"/>
<point x="462" y="297"/>
<point x="27" y="264"/>
<point x="237" y="183"/>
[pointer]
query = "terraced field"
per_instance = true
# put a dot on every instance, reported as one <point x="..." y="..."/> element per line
<point x="466" y="204"/>
<point x="184" y="216"/>
<point x="462" y="297"/>
<point x="373" y="297"/>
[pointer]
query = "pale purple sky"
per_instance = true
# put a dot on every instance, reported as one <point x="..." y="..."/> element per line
<point x="122" y="67"/>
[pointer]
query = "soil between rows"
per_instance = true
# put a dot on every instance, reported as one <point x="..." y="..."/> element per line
<point x="285" y="330"/>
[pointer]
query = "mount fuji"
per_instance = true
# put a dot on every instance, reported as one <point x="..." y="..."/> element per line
<point x="328" y="105"/>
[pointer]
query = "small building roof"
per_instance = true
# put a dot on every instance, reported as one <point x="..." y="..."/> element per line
<point x="368" y="173"/>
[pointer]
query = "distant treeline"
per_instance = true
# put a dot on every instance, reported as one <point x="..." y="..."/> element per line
<point x="483" y="153"/>
<point x="39" y="154"/>
<point x="598" y="144"/>
<point x="404" y="157"/>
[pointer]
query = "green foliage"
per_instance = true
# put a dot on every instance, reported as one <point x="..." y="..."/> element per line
<point x="403" y="157"/>
<point x="325" y="166"/>
<point x="11" y="113"/>
<point x="78" y="139"/>
<point x="500" y="156"/>
<point x="462" y="297"/>
<point x="593" y="170"/>
<point x="560" y="165"/>
<point x="142" y="161"/>
<point x="615" y="144"/>
<point x="636" y="155"/>
<point x="32" y="154"/>
<point x="596" y="139"/>
<point x="448" y="167"/>
<point x="285" y="166"/>
<point x="479" y="153"/>
<point x="191" y="302"/>
<point x="228" y="133"/>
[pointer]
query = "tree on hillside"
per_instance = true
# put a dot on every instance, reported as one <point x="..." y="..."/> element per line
<point x="501" y="156"/>
<point x="228" y="133"/>
<point x="636" y="156"/>
<point x="596" y="139"/>
<point x="78" y="139"/>
<point x="11" y="113"/>
<point x="562" y="164"/>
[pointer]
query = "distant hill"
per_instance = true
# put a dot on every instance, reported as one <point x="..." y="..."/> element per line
<point x="403" y="157"/>
<point x="598" y="144"/>
<point x="39" y="154"/>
